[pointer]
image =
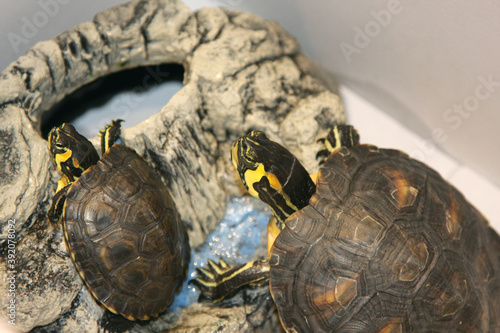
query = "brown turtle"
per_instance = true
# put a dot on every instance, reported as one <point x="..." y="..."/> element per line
<point x="120" y="223"/>
<point x="381" y="243"/>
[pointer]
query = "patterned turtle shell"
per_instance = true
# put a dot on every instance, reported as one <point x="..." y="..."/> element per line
<point x="125" y="235"/>
<point x="385" y="245"/>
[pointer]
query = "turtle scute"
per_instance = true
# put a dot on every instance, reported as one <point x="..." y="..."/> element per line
<point x="385" y="245"/>
<point x="125" y="235"/>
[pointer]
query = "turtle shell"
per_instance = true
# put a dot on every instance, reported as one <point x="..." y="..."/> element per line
<point x="125" y="235"/>
<point x="386" y="245"/>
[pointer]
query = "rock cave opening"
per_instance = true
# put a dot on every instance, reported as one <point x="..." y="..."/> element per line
<point x="132" y="95"/>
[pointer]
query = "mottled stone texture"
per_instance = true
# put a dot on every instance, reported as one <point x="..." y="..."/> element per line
<point x="241" y="73"/>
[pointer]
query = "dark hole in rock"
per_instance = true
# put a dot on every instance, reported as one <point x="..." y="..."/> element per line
<point x="132" y="95"/>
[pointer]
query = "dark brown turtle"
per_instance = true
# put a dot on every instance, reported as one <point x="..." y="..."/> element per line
<point x="381" y="243"/>
<point x="120" y="223"/>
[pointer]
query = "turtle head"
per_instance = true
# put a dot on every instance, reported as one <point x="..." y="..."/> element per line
<point x="272" y="174"/>
<point x="71" y="152"/>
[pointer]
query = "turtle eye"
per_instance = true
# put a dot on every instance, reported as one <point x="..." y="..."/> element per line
<point x="59" y="146"/>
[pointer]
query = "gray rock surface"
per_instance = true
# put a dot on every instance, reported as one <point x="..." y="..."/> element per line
<point x="44" y="278"/>
<point x="241" y="73"/>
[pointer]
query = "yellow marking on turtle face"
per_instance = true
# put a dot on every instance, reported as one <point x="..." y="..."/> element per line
<point x="273" y="180"/>
<point x="288" y="203"/>
<point x="76" y="164"/>
<point x="254" y="176"/>
<point x="60" y="158"/>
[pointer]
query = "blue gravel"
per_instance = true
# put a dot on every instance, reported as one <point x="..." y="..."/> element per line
<point x="235" y="240"/>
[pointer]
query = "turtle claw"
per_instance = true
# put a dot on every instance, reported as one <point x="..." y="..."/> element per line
<point x="214" y="271"/>
<point x="110" y="134"/>
<point x="210" y="280"/>
<point x="220" y="268"/>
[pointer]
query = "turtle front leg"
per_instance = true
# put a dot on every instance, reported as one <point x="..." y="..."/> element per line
<point x="220" y="280"/>
<point x="338" y="137"/>
<point x="56" y="210"/>
<point x="110" y="134"/>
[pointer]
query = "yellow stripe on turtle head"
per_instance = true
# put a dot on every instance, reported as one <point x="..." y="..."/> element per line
<point x="273" y="180"/>
<point x="234" y="155"/>
<point x="272" y="174"/>
<point x="60" y="158"/>
<point x="254" y="176"/>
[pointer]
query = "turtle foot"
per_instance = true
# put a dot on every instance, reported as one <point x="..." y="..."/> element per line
<point x="220" y="280"/>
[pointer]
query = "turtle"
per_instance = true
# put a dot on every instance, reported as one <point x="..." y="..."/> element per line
<point x="374" y="242"/>
<point x="120" y="223"/>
